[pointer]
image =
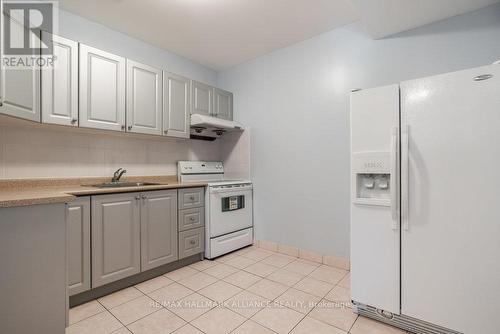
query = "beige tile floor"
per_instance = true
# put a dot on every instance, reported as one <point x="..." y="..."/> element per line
<point x="250" y="291"/>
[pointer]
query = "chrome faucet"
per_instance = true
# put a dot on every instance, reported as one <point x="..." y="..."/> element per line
<point x="118" y="174"/>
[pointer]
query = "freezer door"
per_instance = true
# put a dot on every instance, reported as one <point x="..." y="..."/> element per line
<point x="450" y="200"/>
<point x="375" y="233"/>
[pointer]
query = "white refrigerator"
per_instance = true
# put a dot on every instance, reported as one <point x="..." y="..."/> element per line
<point x="425" y="214"/>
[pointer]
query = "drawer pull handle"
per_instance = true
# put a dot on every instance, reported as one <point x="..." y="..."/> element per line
<point x="137" y="198"/>
<point x="192" y="242"/>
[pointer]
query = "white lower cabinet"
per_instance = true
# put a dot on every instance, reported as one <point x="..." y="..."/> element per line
<point x="116" y="229"/>
<point x="78" y="230"/>
<point x="132" y="232"/>
<point x="158" y="228"/>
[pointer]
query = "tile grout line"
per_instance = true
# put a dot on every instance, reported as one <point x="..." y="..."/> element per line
<point x="128" y="302"/>
<point x="90" y="316"/>
<point x="109" y="309"/>
<point x="322" y="298"/>
<point x="277" y="268"/>
<point x="250" y="319"/>
<point x="159" y="309"/>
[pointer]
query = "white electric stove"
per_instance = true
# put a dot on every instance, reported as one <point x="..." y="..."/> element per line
<point x="228" y="207"/>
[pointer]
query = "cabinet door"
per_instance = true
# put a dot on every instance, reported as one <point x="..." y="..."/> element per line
<point x="176" y="105"/>
<point x="223" y="104"/>
<point x="102" y="89"/>
<point x="20" y="88"/>
<point x="202" y="99"/>
<point x="78" y="228"/>
<point x="60" y="83"/>
<point x="115" y="237"/>
<point x="158" y="228"/>
<point x="144" y="99"/>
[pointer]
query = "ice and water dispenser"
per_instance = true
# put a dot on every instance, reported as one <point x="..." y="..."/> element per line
<point x="372" y="178"/>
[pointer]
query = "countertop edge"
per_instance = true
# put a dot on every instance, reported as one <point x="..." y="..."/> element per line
<point x="51" y="195"/>
<point x="20" y="202"/>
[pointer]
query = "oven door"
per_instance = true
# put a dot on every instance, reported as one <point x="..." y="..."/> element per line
<point x="230" y="209"/>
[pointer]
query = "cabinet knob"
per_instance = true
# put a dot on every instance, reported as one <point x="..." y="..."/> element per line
<point x="192" y="242"/>
<point x="144" y="197"/>
<point x="1" y="102"/>
<point x="130" y="127"/>
<point x="165" y="132"/>
<point x="191" y="198"/>
<point x="192" y="219"/>
<point x="137" y="198"/>
<point x="123" y="127"/>
<point x="74" y="120"/>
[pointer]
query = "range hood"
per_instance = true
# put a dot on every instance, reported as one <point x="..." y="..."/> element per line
<point x="210" y="128"/>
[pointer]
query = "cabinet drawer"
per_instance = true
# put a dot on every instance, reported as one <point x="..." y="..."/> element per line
<point x="191" y="198"/>
<point x="191" y="218"/>
<point x="191" y="242"/>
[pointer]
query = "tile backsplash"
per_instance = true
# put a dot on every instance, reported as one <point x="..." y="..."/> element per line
<point x="30" y="150"/>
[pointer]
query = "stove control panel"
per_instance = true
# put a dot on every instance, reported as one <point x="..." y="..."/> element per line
<point x="200" y="167"/>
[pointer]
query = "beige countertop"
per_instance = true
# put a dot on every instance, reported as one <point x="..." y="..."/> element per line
<point x="25" y="192"/>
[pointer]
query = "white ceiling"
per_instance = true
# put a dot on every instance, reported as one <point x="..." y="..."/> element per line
<point x="217" y="33"/>
<point x="222" y="33"/>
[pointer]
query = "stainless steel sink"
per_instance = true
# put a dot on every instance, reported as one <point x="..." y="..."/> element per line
<point x="125" y="184"/>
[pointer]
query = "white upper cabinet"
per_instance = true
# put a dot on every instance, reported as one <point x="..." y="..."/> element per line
<point x="20" y="88"/>
<point x="102" y="89"/>
<point x="211" y="101"/>
<point x="144" y="98"/>
<point x="20" y="96"/>
<point x="223" y="104"/>
<point x="176" y="105"/>
<point x="202" y="99"/>
<point x="60" y="83"/>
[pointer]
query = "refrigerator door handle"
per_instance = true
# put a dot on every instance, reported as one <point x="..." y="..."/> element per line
<point x="393" y="178"/>
<point x="405" y="178"/>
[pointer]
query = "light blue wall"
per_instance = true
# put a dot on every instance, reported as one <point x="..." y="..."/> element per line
<point x="296" y="100"/>
<point x="94" y="34"/>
